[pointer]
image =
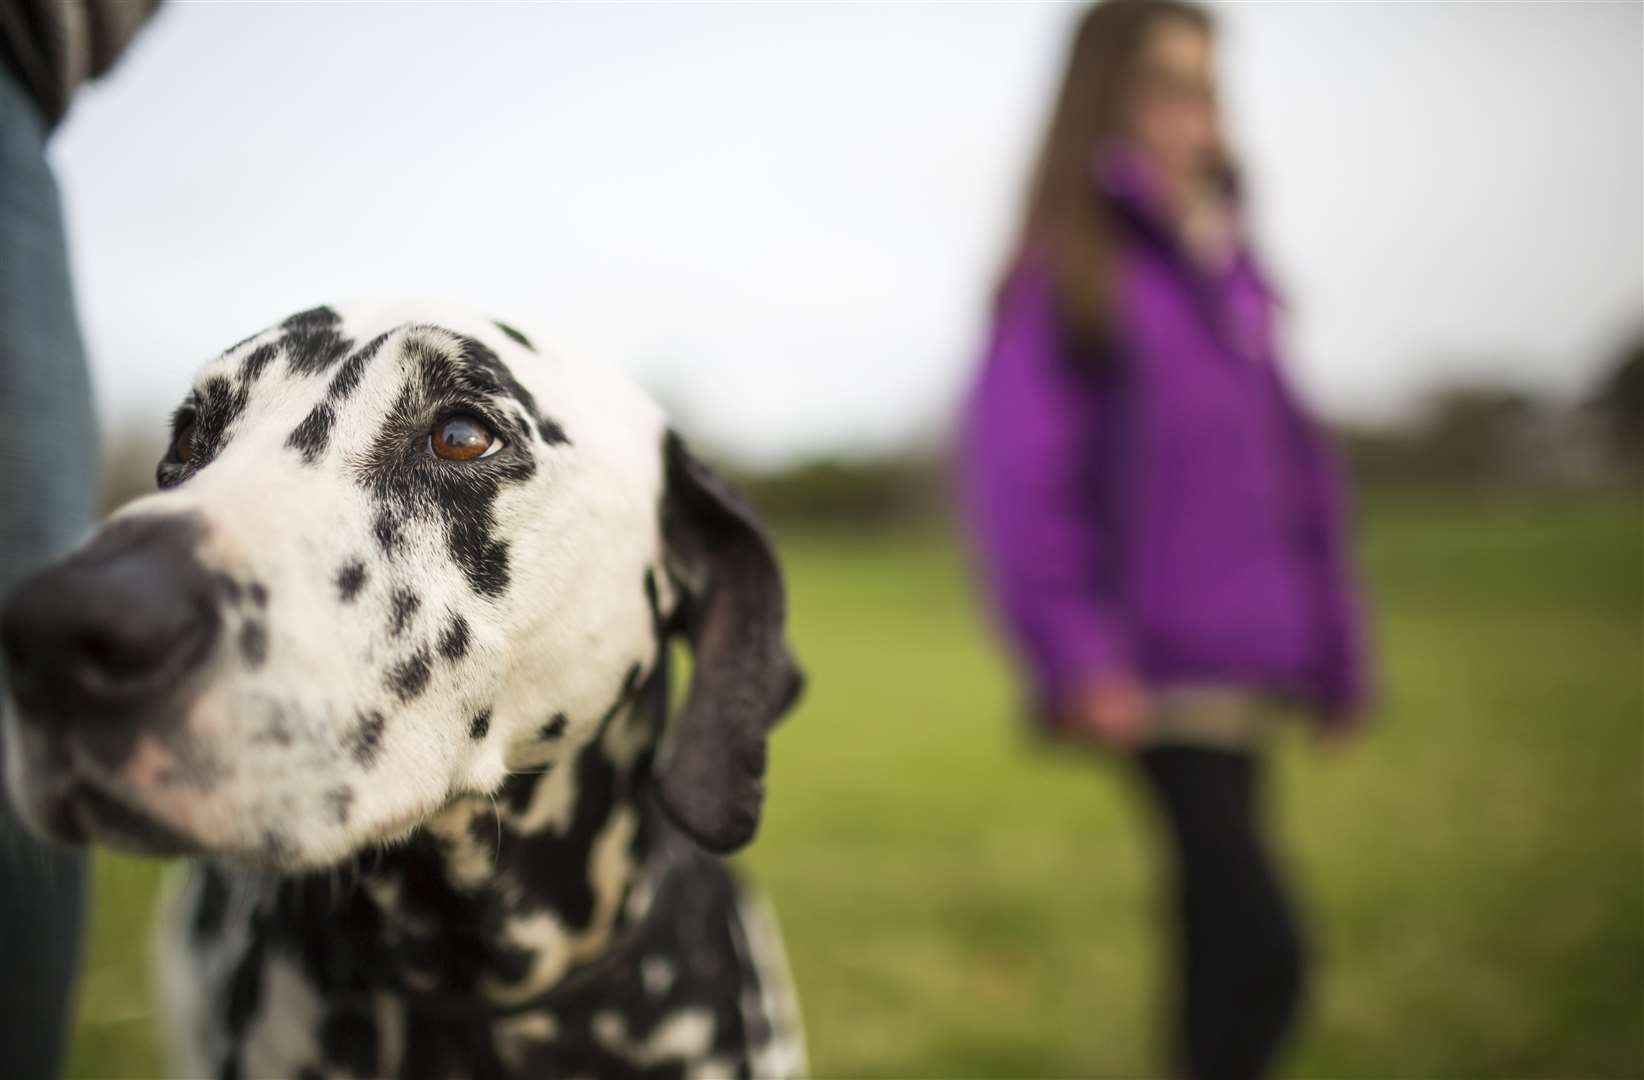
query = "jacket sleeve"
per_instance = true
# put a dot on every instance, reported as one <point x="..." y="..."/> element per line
<point x="1026" y="471"/>
<point x="1343" y="677"/>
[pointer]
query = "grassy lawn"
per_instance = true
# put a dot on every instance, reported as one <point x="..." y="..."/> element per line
<point x="958" y="902"/>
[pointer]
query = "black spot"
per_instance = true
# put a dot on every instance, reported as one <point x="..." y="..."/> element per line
<point x="515" y="334"/>
<point x="353" y="369"/>
<point x="230" y="1069"/>
<point x="409" y="677"/>
<point x="259" y="594"/>
<point x="551" y="432"/>
<point x="480" y="725"/>
<point x="254" y="363"/>
<point x="482" y="829"/>
<point x="661" y="625"/>
<point x="350" y="579"/>
<point x="310" y="1072"/>
<point x="484" y="561"/>
<point x="314" y="317"/>
<point x="403" y="605"/>
<point x="348" y="1038"/>
<point x="245" y="989"/>
<point x="512" y="965"/>
<point x="519" y="788"/>
<point x="312" y="342"/>
<point x="630" y="683"/>
<point x="311" y="436"/>
<point x="365" y="741"/>
<point x="254" y="643"/>
<point x="227" y="586"/>
<point x="210" y="905"/>
<point x="387" y="531"/>
<point x="339" y="802"/>
<point x="454" y="642"/>
<point x="555" y="727"/>
<point x="218" y="404"/>
<point x="599" y="786"/>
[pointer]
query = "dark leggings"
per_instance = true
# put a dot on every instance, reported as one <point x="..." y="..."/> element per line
<point x="1239" y="950"/>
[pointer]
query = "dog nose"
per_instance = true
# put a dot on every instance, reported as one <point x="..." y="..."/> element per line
<point x="114" y="625"/>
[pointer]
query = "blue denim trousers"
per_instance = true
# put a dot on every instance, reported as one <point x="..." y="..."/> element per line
<point x="48" y="496"/>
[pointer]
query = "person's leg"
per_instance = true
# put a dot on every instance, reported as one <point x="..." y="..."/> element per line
<point x="1241" y="955"/>
<point x="48" y="491"/>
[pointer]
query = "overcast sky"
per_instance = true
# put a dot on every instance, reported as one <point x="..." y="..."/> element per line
<point x="786" y="219"/>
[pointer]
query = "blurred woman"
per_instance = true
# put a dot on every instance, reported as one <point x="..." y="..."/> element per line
<point x="1160" y="525"/>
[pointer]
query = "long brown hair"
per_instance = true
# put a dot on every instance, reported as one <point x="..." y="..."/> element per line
<point x="1067" y="219"/>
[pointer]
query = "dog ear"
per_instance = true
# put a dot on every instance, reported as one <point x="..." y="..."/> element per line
<point x="710" y="769"/>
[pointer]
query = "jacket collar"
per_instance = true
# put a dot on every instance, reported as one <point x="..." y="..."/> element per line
<point x="1130" y="183"/>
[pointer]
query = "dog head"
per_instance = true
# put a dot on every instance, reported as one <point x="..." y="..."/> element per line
<point x="395" y="556"/>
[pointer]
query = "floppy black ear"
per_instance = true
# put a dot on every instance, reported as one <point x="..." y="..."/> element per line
<point x="710" y="770"/>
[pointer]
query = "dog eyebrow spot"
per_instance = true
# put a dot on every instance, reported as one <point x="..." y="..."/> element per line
<point x="515" y="334"/>
<point x="254" y="363"/>
<point x="350" y="579"/>
<point x="218" y="406"/>
<point x="311" y="436"/>
<point x="339" y="802"/>
<point x="454" y="642"/>
<point x="254" y="643"/>
<point x="259" y="594"/>
<point x="348" y="376"/>
<point x="554" y="728"/>
<point x="404" y="605"/>
<point x="409" y="677"/>
<point x="365" y="741"/>
<point x="480" y="725"/>
<point x="312" y="342"/>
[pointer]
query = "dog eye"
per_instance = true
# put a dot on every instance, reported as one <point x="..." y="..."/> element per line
<point x="182" y="439"/>
<point x="463" y="438"/>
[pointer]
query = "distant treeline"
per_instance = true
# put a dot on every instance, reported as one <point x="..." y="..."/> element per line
<point x="1466" y="436"/>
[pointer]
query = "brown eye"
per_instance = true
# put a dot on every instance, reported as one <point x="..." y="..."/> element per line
<point x="182" y="440"/>
<point x="463" y="438"/>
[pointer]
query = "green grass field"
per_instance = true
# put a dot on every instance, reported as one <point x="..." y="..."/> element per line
<point x="958" y="902"/>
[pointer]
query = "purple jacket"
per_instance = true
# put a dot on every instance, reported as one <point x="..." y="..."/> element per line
<point x="1165" y="510"/>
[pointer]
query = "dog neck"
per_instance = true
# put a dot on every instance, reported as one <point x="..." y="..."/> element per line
<point x="495" y="901"/>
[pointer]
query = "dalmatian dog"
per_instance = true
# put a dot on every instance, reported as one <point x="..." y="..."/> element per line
<point x="387" y="654"/>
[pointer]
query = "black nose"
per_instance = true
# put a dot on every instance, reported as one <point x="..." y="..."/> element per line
<point x="115" y="625"/>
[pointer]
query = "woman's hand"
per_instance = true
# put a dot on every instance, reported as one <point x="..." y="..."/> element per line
<point x="1110" y="712"/>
